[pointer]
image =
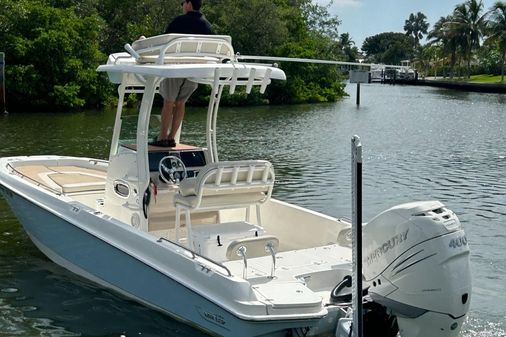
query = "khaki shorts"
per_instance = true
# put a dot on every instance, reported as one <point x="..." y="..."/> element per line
<point x="177" y="89"/>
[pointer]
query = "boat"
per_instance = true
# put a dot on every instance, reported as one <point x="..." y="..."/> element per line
<point x="377" y="73"/>
<point x="406" y="72"/>
<point x="204" y="241"/>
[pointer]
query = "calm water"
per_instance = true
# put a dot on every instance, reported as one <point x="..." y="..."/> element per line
<point x="419" y="144"/>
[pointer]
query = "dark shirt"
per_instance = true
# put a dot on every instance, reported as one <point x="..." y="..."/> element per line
<point x="192" y="22"/>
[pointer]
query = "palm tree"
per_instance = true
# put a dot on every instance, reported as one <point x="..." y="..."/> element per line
<point x="470" y="23"/>
<point x="446" y="38"/>
<point x="425" y="58"/>
<point x="346" y="41"/>
<point x="348" y="47"/>
<point x="416" y="25"/>
<point x="496" y="28"/>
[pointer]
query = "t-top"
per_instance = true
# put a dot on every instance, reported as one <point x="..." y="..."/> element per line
<point x="193" y="22"/>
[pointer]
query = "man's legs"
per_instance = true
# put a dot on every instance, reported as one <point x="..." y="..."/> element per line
<point x="175" y="92"/>
<point x="167" y="117"/>
<point x="177" y="118"/>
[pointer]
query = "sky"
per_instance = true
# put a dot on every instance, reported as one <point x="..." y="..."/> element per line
<point x="363" y="18"/>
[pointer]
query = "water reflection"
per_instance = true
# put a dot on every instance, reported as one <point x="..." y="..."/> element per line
<point x="49" y="301"/>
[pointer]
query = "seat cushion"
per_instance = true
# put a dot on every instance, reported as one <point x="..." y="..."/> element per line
<point x="221" y="201"/>
<point x="187" y="187"/>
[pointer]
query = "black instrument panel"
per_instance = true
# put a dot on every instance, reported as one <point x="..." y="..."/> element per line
<point x="192" y="159"/>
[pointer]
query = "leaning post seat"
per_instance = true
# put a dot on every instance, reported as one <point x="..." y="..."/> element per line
<point x="225" y="185"/>
<point x="183" y="48"/>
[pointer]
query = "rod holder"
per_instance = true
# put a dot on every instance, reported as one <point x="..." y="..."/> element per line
<point x="242" y="253"/>
<point x="269" y="248"/>
<point x="131" y="51"/>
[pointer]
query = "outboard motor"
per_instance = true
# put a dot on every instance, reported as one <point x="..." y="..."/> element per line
<point x="416" y="260"/>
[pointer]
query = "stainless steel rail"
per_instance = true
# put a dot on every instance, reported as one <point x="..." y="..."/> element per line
<point x="35" y="182"/>
<point x="195" y="255"/>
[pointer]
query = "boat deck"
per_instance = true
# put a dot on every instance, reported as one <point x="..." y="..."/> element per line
<point x="64" y="179"/>
<point x="87" y="185"/>
<point x="319" y="267"/>
<point x="295" y="262"/>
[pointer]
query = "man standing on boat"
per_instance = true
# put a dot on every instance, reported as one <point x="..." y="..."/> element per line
<point x="176" y="91"/>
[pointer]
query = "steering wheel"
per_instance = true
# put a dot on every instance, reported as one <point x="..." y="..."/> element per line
<point x="172" y="169"/>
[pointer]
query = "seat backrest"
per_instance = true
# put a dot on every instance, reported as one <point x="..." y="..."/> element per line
<point x="184" y="48"/>
<point x="231" y="177"/>
<point x="255" y="247"/>
<point x="228" y="184"/>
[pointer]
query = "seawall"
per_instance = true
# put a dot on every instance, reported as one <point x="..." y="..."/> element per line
<point x="465" y="86"/>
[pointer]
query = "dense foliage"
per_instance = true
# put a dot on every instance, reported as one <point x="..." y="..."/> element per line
<point x="52" y="55"/>
<point x="388" y="48"/>
<point x="53" y="47"/>
<point x="496" y="31"/>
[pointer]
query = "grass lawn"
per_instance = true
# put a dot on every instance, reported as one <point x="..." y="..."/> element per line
<point x="486" y="79"/>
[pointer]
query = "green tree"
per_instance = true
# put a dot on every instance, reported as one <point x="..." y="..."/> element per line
<point x="426" y="56"/>
<point x="83" y="8"/>
<point x="416" y="25"/>
<point x="259" y="32"/>
<point x="307" y="82"/>
<point x="469" y="22"/>
<point x="52" y="55"/>
<point x="489" y="57"/>
<point x="496" y="29"/>
<point x="54" y="46"/>
<point x="319" y="20"/>
<point x="349" y="49"/>
<point x="447" y="39"/>
<point x="388" y="48"/>
<point x="316" y="38"/>
<point x="129" y="19"/>
<point x="286" y="28"/>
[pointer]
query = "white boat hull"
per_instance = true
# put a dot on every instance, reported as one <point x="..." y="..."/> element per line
<point x="94" y="247"/>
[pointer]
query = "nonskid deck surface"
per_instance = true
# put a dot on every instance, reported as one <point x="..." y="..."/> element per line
<point x="295" y="264"/>
<point x="65" y="179"/>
